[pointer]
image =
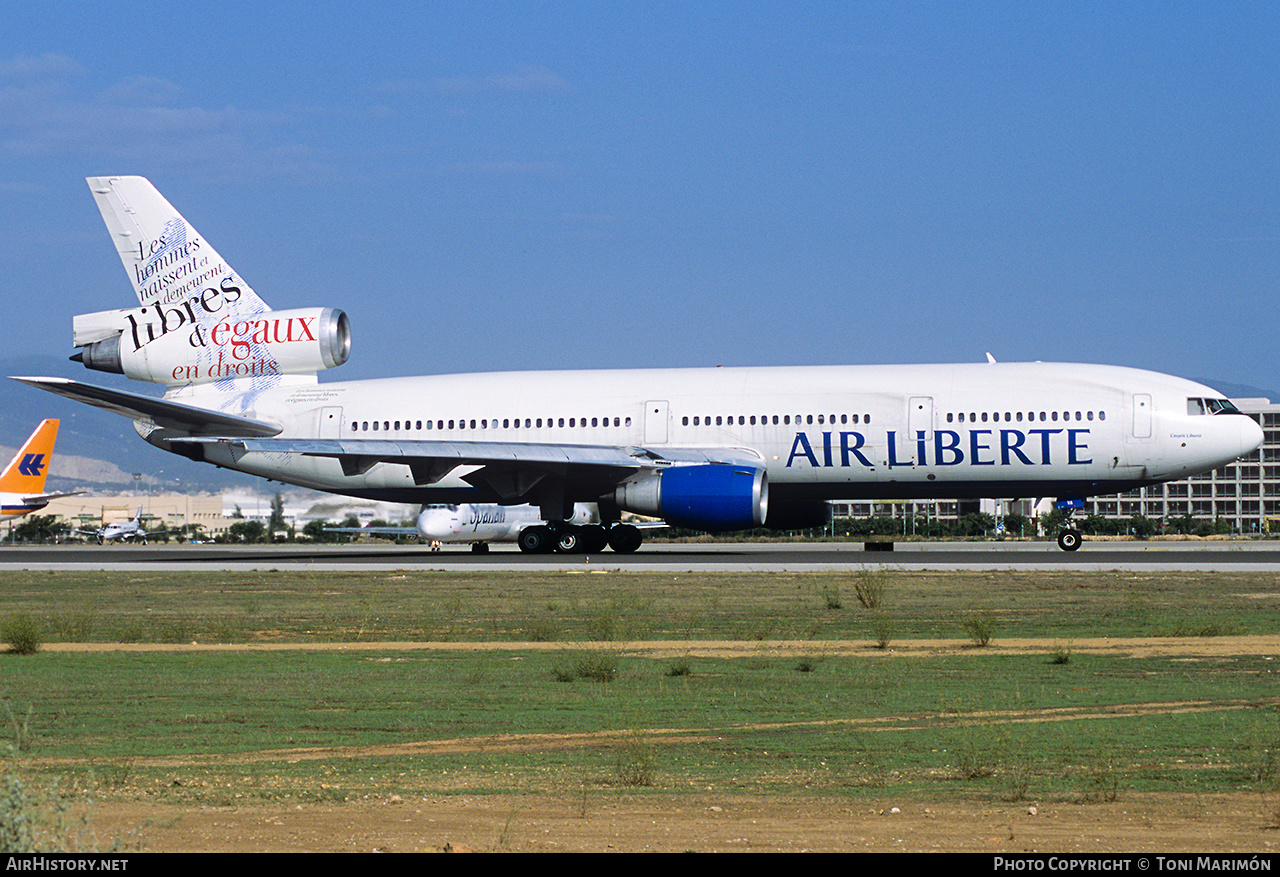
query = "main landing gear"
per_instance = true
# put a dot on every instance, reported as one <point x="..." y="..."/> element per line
<point x="569" y="539"/>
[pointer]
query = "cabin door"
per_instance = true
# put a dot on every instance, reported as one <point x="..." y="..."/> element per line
<point x="655" y="421"/>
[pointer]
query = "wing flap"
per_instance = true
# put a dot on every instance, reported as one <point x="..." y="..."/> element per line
<point x="522" y="456"/>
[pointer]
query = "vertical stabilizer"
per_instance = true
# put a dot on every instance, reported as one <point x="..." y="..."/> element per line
<point x="26" y="472"/>
<point x="167" y="260"/>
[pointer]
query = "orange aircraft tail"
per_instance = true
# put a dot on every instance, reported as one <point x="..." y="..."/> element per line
<point x="26" y="472"/>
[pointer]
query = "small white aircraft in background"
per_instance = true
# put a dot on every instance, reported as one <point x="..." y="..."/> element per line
<point x="482" y="523"/>
<point x="121" y="531"/>
<point x="22" y="482"/>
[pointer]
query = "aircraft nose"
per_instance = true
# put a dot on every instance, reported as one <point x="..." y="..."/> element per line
<point x="1250" y="435"/>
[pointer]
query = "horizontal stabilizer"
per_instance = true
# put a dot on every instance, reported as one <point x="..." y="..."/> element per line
<point x="42" y="499"/>
<point x="162" y="412"/>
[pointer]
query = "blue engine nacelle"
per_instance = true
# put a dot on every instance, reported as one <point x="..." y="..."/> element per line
<point x="713" y="497"/>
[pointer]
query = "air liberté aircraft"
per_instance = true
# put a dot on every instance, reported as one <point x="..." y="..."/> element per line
<point x="714" y="449"/>
<point x="22" y="482"/>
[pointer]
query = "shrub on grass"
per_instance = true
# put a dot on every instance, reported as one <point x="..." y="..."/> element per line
<point x="981" y="627"/>
<point x="597" y="665"/>
<point x="23" y="634"/>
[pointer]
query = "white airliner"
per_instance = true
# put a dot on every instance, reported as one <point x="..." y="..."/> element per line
<point x="714" y="449"/>
<point x="482" y="523"/>
<point x="22" y="481"/>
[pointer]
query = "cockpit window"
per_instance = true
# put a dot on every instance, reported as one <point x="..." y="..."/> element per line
<point x="1211" y="406"/>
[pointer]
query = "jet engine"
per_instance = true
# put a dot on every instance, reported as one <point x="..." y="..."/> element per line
<point x="711" y="497"/>
<point x="181" y="345"/>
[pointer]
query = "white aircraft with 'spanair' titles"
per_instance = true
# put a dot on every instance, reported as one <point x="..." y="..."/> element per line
<point x="709" y="448"/>
<point x="482" y="523"/>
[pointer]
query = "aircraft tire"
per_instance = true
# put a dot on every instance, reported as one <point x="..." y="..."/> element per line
<point x="479" y="548"/>
<point x="592" y="539"/>
<point x="625" y="538"/>
<point x="1069" y="540"/>
<point x="535" y="540"/>
<point x="569" y="541"/>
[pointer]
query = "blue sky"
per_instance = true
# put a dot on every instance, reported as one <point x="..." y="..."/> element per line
<point x="546" y="185"/>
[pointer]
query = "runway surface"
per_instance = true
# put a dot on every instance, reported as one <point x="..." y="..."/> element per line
<point x="773" y="556"/>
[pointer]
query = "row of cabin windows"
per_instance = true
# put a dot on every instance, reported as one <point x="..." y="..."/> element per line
<point x="1017" y="417"/>
<point x="486" y="423"/>
<point x="775" y="419"/>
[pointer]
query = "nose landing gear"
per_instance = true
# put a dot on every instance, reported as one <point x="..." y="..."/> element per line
<point x="1069" y="539"/>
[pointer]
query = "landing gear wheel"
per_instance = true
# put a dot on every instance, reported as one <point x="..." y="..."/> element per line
<point x="625" y="538"/>
<point x="592" y="539"/>
<point x="1069" y="540"/>
<point x="479" y="547"/>
<point x="535" y="540"/>
<point x="567" y="542"/>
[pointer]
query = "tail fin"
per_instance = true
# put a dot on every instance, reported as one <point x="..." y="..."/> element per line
<point x="199" y="323"/>
<point x="26" y="472"/>
<point x="166" y="259"/>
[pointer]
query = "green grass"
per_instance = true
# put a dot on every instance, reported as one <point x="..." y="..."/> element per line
<point x="233" y="725"/>
<point x="493" y="607"/>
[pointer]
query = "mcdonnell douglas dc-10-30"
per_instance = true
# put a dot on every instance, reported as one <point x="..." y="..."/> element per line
<point x="714" y="449"/>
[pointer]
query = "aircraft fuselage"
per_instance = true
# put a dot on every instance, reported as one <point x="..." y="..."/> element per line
<point x="820" y="433"/>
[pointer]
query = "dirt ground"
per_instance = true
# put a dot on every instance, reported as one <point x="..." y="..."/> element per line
<point x="1157" y="823"/>
<point x="709" y="822"/>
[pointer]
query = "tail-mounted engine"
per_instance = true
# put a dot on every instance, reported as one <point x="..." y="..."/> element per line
<point x="200" y="340"/>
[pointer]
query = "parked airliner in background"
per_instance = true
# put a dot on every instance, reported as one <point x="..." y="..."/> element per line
<point x="714" y="449"/>
<point x="22" y="482"/>
<point x="482" y="523"/>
